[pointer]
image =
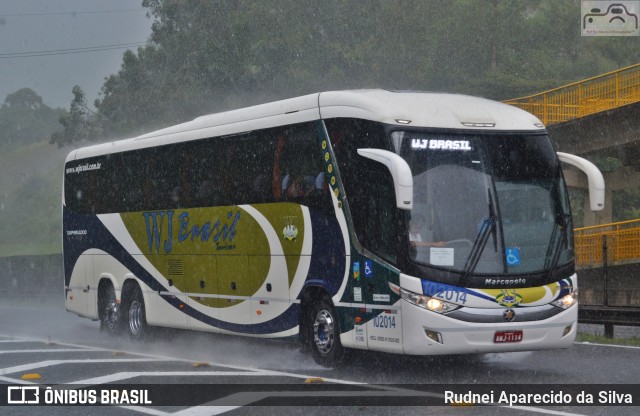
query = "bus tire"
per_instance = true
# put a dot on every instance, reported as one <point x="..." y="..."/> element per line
<point x="323" y="334"/>
<point x="136" y="316"/>
<point x="109" y="311"/>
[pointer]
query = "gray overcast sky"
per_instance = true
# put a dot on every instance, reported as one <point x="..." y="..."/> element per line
<point x="52" y="25"/>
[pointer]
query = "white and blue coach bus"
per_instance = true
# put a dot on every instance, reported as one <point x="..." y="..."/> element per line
<point x="411" y="223"/>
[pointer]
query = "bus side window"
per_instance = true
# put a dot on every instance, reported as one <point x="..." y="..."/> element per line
<point x="262" y="189"/>
<point x="247" y="168"/>
<point x="256" y="162"/>
<point x="300" y="168"/>
<point x="202" y="173"/>
<point x="131" y="177"/>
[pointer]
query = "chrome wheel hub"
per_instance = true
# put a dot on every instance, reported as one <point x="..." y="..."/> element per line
<point x="323" y="333"/>
<point x="111" y="314"/>
<point x="135" y="317"/>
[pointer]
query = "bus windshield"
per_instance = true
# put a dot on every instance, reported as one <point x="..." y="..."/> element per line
<point x="486" y="204"/>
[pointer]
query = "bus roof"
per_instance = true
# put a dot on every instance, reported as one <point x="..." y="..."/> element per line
<point x="414" y="109"/>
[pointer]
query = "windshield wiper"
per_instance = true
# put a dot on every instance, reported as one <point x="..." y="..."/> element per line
<point x="488" y="225"/>
<point x="492" y="214"/>
<point x="553" y="251"/>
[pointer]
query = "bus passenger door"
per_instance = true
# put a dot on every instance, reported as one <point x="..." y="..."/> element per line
<point x="373" y="211"/>
<point x="378" y="230"/>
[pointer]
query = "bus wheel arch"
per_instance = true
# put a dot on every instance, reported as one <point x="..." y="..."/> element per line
<point x="320" y="328"/>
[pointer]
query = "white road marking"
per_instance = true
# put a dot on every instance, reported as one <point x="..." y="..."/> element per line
<point x="544" y="411"/>
<point x="15" y="380"/>
<point x="49" y="363"/>
<point x="631" y="347"/>
<point x="205" y="411"/>
<point x="128" y="375"/>
<point x="47" y="350"/>
<point x="146" y="410"/>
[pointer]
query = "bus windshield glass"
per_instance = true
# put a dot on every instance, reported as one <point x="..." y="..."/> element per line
<point x="486" y="204"/>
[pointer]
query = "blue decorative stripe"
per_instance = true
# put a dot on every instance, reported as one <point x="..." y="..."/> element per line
<point x="327" y="264"/>
<point x="328" y="259"/>
<point x="430" y="288"/>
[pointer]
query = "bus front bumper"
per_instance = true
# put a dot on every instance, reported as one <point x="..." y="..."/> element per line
<point x="429" y="333"/>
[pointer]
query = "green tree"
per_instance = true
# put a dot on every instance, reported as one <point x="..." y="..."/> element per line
<point x="24" y="98"/>
<point x="207" y="56"/>
<point x="24" y="118"/>
<point x="136" y="97"/>
<point x="78" y="124"/>
<point x="626" y="204"/>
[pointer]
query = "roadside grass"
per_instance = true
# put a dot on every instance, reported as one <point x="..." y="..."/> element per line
<point x="10" y="250"/>
<point x="601" y="339"/>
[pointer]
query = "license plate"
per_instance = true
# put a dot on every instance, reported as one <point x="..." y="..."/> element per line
<point x="507" y="336"/>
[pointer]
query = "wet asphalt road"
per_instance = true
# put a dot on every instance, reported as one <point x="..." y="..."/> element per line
<point x="61" y="348"/>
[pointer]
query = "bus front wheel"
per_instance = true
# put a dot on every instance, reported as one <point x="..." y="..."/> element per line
<point x="324" y="334"/>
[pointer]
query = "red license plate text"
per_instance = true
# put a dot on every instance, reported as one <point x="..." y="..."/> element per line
<point x="507" y="336"/>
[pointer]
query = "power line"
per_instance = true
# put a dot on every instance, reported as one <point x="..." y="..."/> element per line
<point x="70" y="13"/>
<point x="70" y="51"/>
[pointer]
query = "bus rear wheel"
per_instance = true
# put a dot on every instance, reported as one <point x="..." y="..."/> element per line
<point x="136" y="316"/>
<point x="109" y="310"/>
<point x="323" y="332"/>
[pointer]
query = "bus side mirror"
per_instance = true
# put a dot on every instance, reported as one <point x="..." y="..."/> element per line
<point x="594" y="178"/>
<point x="400" y="172"/>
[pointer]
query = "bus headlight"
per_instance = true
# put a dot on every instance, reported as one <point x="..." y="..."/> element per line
<point x="427" y="302"/>
<point x="567" y="300"/>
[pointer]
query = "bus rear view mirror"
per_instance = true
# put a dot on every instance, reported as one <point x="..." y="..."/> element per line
<point x="400" y="172"/>
<point x="595" y="179"/>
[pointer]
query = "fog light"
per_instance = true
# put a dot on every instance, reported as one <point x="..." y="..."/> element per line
<point x="567" y="330"/>
<point x="433" y="335"/>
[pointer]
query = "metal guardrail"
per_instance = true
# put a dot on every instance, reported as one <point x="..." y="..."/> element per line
<point x="583" y="98"/>
<point x="619" y="242"/>
<point x="599" y="247"/>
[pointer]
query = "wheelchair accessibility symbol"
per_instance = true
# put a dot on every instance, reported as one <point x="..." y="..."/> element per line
<point x="513" y="256"/>
<point x="368" y="268"/>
